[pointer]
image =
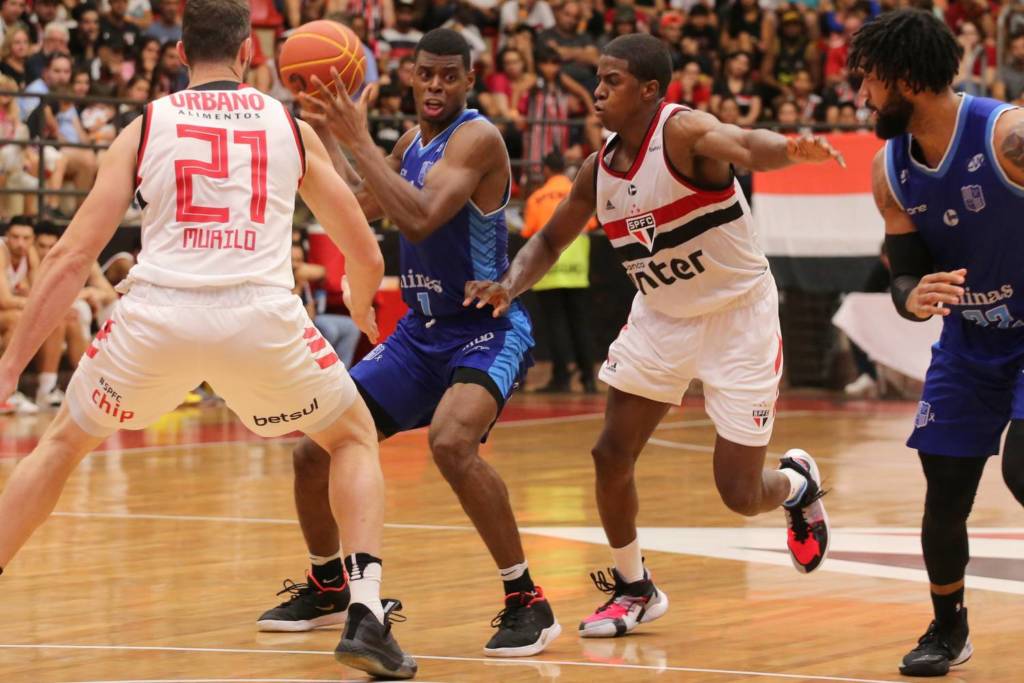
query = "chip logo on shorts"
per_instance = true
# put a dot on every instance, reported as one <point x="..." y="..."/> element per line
<point x="924" y="415"/>
<point x="762" y="414"/>
<point x="109" y="401"/>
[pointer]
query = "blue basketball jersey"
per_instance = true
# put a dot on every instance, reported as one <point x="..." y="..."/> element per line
<point x="970" y="215"/>
<point x="473" y="245"/>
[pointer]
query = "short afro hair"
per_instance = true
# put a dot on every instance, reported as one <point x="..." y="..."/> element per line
<point x="909" y="45"/>
<point x="647" y="56"/>
<point x="445" y="42"/>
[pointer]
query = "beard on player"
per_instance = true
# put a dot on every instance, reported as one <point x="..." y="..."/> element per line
<point x="893" y="118"/>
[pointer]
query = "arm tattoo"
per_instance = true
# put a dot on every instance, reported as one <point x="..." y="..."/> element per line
<point x="883" y="195"/>
<point x="1013" y="146"/>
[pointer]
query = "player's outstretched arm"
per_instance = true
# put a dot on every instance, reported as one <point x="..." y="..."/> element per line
<point x="917" y="292"/>
<point x="337" y="210"/>
<point x="698" y="134"/>
<point x="450" y="183"/>
<point x="64" y="270"/>
<point x="542" y="250"/>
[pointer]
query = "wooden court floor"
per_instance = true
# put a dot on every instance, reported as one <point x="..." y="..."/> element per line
<point x="169" y="543"/>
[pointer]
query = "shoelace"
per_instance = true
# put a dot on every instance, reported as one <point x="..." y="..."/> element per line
<point x="602" y="584"/>
<point x="509" y="616"/>
<point x="801" y="529"/>
<point x="931" y="636"/>
<point x="297" y="590"/>
<point x="391" y="614"/>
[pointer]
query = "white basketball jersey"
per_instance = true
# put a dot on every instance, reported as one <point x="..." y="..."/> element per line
<point x="214" y="215"/>
<point x="689" y="251"/>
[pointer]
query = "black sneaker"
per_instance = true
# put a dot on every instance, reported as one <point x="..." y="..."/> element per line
<point x="808" y="535"/>
<point x="525" y="627"/>
<point x="940" y="648"/>
<point x="368" y="645"/>
<point x="630" y="604"/>
<point x="310" y="606"/>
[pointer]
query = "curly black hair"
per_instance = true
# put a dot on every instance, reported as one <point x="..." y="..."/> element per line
<point x="909" y="45"/>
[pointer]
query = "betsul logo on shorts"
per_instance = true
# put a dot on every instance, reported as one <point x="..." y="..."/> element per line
<point x="109" y="401"/>
<point x="287" y="417"/>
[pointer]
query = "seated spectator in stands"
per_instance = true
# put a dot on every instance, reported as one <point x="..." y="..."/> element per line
<point x="982" y="13"/>
<point x="838" y="48"/>
<point x="788" y="53"/>
<point x="108" y="72"/>
<point x="170" y="75"/>
<point x="747" y="28"/>
<point x="670" y="31"/>
<point x="1010" y="85"/>
<point x="55" y="41"/>
<point x="577" y="49"/>
<point x="463" y="21"/>
<point x="808" y="102"/>
<point x="505" y="89"/>
<point x="44" y="13"/>
<point x="339" y="330"/>
<point x="536" y="14"/>
<point x="787" y="117"/>
<point x="97" y="118"/>
<point x="848" y="117"/>
<point x="19" y="164"/>
<point x="401" y="39"/>
<point x="737" y="83"/>
<point x="166" y="26"/>
<point x="977" y="70"/>
<point x="701" y="27"/>
<point x="59" y="120"/>
<point x="403" y="76"/>
<point x="564" y="293"/>
<point x="96" y="298"/>
<point x="386" y="129"/>
<point x="689" y="86"/>
<point x="137" y="91"/>
<point x="11" y="12"/>
<point x="624" y="22"/>
<point x="729" y="112"/>
<point x="14" y="54"/>
<point x="85" y="40"/>
<point x="833" y="21"/>
<point x="147" y="56"/>
<point x="842" y="91"/>
<point x="117" y="23"/>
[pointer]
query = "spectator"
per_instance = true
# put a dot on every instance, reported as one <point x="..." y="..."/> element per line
<point x="19" y="164"/>
<point x="536" y="14"/>
<point x="403" y="77"/>
<point x="463" y="20"/>
<point x="401" y="39"/>
<point x="838" y="47"/>
<point x="700" y="27"/>
<point x="137" y="91"/>
<point x="117" y="23"/>
<point x="787" y="116"/>
<point x="170" y="75"/>
<point x="44" y="13"/>
<point x="624" y="22"/>
<point x="977" y="70"/>
<point x="790" y="52"/>
<point x="1010" y="86"/>
<point x="166" y="27"/>
<point x="737" y="84"/>
<point x="97" y="118"/>
<point x="14" y="53"/>
<point x="86" y="38"/>
<point x="146" y="58"/>
<point x="55" y="41"/>
<point x="387" y="128"/>
<point x="670" y="30"/>
<point x="848" y="117"/>
<point x="747" y="28"/>
<point x="564" y="293"/>
<point x="11" y="12"/>
<point x="808" y="102"/>
<point x="12" y="300"/>
<point x="577" y="49"/>
<point x="689" y="87"/>
<point x="982" y="13"/>
<point x="729" y="111"/>
<point x="56" y="72"/>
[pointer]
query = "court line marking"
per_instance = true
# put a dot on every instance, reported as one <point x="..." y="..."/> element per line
<point x="488" y="660"/>
<point x="228" y="680"/>
<point x="242" y="520"/>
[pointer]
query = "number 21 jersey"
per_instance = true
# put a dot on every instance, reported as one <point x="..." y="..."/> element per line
<point x="217" y="172"/>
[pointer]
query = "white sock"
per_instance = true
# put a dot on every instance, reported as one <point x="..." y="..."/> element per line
<point x="47" y="383"/>
<point x="318" y="561"/>
<point x="514" y="572"/>
<point x="364" y="582"/>
<point x="797" y="485"/>
<point x="629" y="562"/>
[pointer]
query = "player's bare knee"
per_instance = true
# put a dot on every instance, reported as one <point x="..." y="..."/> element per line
<point x="454" y="450"/>
<point x="743" y="500"/>
<point x="612" y="462"/>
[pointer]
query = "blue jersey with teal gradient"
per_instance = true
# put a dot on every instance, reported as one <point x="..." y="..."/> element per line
<point x="969" y="214"/>
<point x="473" y="245"/>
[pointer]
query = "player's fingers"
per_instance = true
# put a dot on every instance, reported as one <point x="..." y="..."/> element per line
<point x="369" y="95"/>
<point x="944" y="288"/>
<point x="344" y="100"/>
<point x="322" y="88"/>
<point x="954" y="277"/>
<point x="500" y="310"/>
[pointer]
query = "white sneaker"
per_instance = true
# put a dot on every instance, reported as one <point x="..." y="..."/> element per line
<point x="862" y="387"/>
<point x="22" y="405"/>
<point x="50" y="400"/>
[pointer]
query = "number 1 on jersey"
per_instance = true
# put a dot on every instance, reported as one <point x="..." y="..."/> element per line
<point x="424" y="300"/>
<point x="217" y="168"/>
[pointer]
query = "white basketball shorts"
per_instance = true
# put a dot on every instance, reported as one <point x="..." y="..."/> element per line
<point x="255" y="345"/>
<point x="735" y="352"/>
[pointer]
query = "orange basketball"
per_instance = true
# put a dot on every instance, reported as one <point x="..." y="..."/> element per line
<point x="313" y="48"/>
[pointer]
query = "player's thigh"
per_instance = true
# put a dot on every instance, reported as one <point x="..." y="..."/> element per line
<point x="138" y="368"/>
<point x="964" y="407"/>
<point x="286" y="377"/>
<point x="465" y="414"/>
<point x="629" y="422"/>
<point x="654" y="356"/>
<point x="401" y="382"/>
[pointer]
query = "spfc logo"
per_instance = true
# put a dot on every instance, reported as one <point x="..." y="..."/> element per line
<point x="424" y="169"/>
<point x="924" y="415"/>
<point x="642" y="228"/>
<point x="762" y="414"/>
<point x="974" y="198"/>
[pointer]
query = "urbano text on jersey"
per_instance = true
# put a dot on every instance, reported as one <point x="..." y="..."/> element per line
<point x="215" y="238"/>
<point x="223" y="100"/>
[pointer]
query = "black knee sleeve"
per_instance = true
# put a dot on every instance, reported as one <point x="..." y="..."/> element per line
<point x="1013" y="460"/>
<point x="952" y="484"/>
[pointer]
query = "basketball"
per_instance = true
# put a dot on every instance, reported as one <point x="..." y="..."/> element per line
<point x="313" y="49"/>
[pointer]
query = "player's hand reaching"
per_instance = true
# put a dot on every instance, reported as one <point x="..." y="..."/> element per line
<point x="812" y="149"/>
<point x="346" y="119"/>
<point x="485" y="293"/>
<point x="365" y="320"/>
<point x="935" y="293"/>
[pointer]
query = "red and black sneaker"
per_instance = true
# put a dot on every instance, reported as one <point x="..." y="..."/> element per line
<point x="311" y="605"/>
<point x="630" y="604"/>
<point x="525" y="627"/>
<point x="807" y="520"/>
